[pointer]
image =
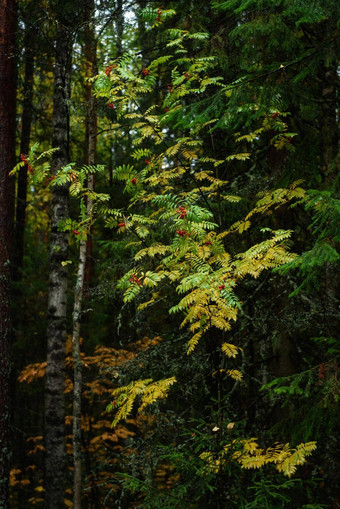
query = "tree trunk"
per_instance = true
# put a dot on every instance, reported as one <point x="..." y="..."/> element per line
<point x="7" y="161"/>
<point x="119" y="22"/>
<point x="77" y="377"/>
<point x="27" y="113"/>
<point x="85" y="258"/>
<point x="91" y="125"/>
<point x="57" y="296"/>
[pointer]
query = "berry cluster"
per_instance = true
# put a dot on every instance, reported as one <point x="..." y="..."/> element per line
<point x="183" y="233"/>
<point x="170" y="89"/>
<point x="29" y="167"/>
<point x="121" y="225"/>
<point x="145" y="71"/>
<point x="112" y="106"/>
<point x="108" y="69"/>
<point x="159" y="14"/>
<point x="135" y="279"/>
<point x="182" y="212"/>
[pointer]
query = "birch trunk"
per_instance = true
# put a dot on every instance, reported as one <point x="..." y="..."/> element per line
<point x="77" y="377"/>
<point x="85" y="251"/>
<point x="57" y="297"/>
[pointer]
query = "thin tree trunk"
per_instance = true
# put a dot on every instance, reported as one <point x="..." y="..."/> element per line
<point x="7" y="161"/>
<point x="329" y="135"/>
<point x="119" y="28"/>
<point x="27" y="113"/>
<point x="91" y="125"/>
<point x="85" y="258"/>
<point x="77" y="377"/>
<point x="57" y="297"/>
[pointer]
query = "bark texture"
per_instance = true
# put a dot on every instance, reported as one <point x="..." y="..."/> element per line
<point x="77" y="377"/>
<point x="26" y="122"/>
<point x="85" y="258"/>
<point x="91" y="124"/>
<point x="57" y="298"/>
<point x="7" y="161"/>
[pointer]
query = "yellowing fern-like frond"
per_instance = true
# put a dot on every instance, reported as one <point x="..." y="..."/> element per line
<point x="235" y="374"/>
<point x="152" y="251"/>
<point x="147" y="390"/>
<point x="188" y="154"/>
<point x="155" y="391"/>
<point x="241" y="157"/>
<point x="230" y="350"/>
<point x="250" y="456"/>
<point x="192" y="343"/>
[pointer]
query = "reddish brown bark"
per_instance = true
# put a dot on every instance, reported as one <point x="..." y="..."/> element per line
<point x="7" y="161"/>
<point x="26" y="121"/>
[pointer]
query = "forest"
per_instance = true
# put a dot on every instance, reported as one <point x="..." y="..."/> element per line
<point x="169" y="254"/>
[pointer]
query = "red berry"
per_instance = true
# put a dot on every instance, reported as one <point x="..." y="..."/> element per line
<point x="112" y="106"/>
<point x="221" y="287"/>
<point x="134" y="181"/>
<point x="23" y="158"/>
<point x="182" y="212"/>
<point x="208" y="243"/>
<point x="275" y="115"/>
<point x="135" y="279"/>
<point x="121" y="225"/>
<point x="147" y="161"/>
<point x="76" y="232"/>
<point x="108" y="69"/>
<point x="182" y="233"/>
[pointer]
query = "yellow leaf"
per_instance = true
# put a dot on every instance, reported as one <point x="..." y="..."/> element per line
<point x="230" y="350"/>
<point x="235" y="374"/>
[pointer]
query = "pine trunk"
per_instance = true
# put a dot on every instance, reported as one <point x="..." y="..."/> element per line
<point x="7" y="161"/>
<point x="26" y="121"/>
<point x="57" y="297"/>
